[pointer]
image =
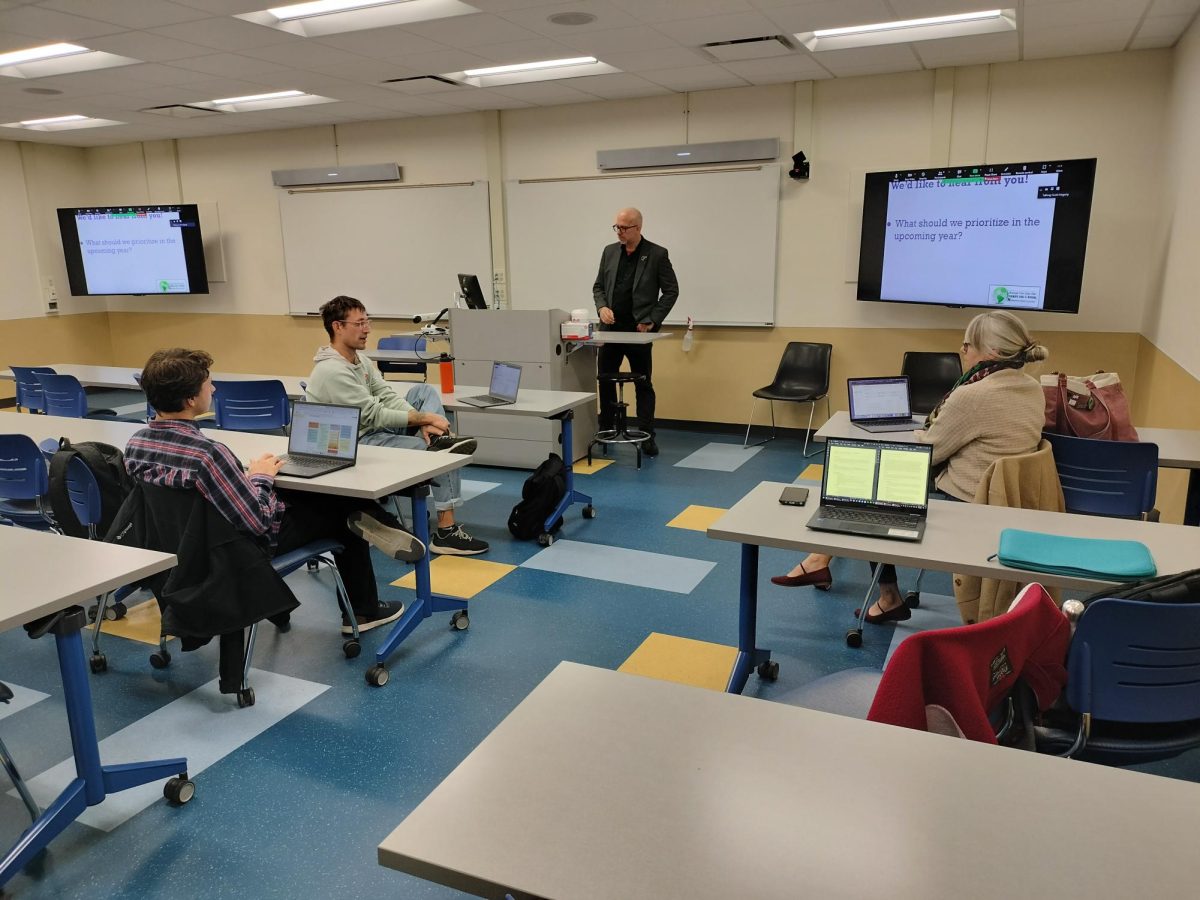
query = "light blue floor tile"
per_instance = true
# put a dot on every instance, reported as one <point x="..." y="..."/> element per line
<point x="23" y="698"/>
<point x="617" y="564"/>
<point x="719" y="457"/>
<point x="204" y="726"/>
<point x="472" y="489"/>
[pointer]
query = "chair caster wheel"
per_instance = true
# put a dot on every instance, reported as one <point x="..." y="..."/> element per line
<point x="245" y="697"/>
<point x="913" y="599"/>
<point x="351" y="648"/>
<point x="589" y="512"/>
<point x="313" y="567"/>
<point x="377" y="675"/>
<point x="98" y="663"/>
<point x="115" y="612"/>
<point x="854" y="637"/>
<point x="179" y="790"/>
<point x="545" y="539"/>
<point x="160" y="659"/>
<point x="769" y="670"/>
<point x="460" y="621"/>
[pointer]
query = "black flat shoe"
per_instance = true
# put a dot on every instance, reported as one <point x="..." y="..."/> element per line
<point x="896" y="614"/>
<point x="818" y="578"/>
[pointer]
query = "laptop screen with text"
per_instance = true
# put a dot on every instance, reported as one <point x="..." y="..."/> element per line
<point x="878" y="398"/>
<point x="882" y="474"/>
<point x="321" y="429"/>
<point x="506" y="380"/>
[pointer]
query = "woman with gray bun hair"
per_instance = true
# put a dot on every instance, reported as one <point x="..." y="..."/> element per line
<point x="993" y="410"/>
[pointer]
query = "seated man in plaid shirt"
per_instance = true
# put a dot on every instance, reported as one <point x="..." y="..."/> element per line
<point x="173" y="452"/>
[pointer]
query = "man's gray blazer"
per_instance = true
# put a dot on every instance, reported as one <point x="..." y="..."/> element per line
<point x="655" y="288"/>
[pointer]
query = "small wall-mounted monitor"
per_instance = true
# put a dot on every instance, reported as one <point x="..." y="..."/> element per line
<point x="1001" y="236"/>
<point x="133" y="250"/>
<point x="469" y="286"/>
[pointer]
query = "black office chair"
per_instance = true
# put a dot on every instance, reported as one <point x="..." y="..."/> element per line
<point x="802" y="377"/>
<point x="930" y="377"/>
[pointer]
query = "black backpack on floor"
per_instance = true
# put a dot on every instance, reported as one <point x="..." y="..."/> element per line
<point x="539" y="496"/>
<point x="107" y="464"/>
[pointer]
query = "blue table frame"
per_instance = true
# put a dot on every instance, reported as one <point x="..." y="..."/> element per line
<point x="570" y="495"/>
<point x="93" y="781"/>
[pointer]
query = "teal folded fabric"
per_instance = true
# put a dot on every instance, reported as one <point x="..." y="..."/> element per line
<point x="1085" y="557"/>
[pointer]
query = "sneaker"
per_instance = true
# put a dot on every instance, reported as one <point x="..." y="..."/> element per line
<point x="455" y="540"/>
<point x="395" y="542"/>
<point x="387" y="612"/>
<point x="649" y="447"/>
<point x="453" y="444"/>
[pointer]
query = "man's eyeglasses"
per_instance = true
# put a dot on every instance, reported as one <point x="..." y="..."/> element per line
<point x="621" y="229"/>
<point x="358" y="323"/>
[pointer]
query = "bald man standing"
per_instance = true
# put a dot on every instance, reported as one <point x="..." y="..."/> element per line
<point x="634" y="291"/>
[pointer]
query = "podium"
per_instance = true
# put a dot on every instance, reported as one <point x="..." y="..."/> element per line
<point x="531" y="339"/>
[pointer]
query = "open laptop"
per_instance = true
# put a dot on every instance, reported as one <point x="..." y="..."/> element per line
<point x="324" y="438"/>
<point x="880" y="404"/>
<point x="506" y="379"/>
<point x="874" y="488"/>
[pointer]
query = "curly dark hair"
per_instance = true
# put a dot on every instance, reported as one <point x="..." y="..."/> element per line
<point x="172" y="377"/>
<point x="337" y="309"/>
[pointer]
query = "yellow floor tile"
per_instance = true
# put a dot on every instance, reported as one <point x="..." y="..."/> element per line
<point x="697" y="518"/>
<point x="582" y="467"/>
<point x="141" y="623"/>
<point x="459" y="576"/>
<point x="812" y="473"/>
<point x="682" y="660"/>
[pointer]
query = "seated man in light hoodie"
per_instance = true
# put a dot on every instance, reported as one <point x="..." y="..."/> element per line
<point x="415" y="420"/>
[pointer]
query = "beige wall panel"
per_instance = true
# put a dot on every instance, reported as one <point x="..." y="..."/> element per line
<point x="738" y="114"/>
<point x="118" y="175"/>
<point x="20" y="282"/>
<point x="430" y="151"/>
<point x="54" y="339"/>
<point x="1165" y="395"/>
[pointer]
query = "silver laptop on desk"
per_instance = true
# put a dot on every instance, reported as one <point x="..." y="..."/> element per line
<point x="506" y="380"/>
<point x="880" y="404"/>
<point x="874" y="488"/>
<point x="324" y="439"/>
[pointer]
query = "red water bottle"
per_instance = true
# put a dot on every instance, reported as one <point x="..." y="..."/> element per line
<point x="446" y="369"/>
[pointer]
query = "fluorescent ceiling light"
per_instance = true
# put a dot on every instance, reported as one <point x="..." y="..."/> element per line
<point x="61" y="123"/>
<point x="254" y="98"/>
<point x="33" y="54"/>
<point x="906" y="31"/>
<point x="530" y="67"/>
<point x="324" y="8"/>
<point x="909" y="23"/>
<point x="54" y="120"/>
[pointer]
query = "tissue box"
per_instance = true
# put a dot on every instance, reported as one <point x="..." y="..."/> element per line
<point x="576" y="331"/>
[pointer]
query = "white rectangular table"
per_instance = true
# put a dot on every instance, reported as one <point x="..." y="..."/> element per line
<point x="1178" y="448"/>
<point x="959" y="537"/>
<point x="45" y="573"/>
<point x="602" y="785"/>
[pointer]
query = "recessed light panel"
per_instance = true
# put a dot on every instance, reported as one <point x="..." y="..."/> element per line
<point x="322" y="17"/>
<point x="910" y="30"/>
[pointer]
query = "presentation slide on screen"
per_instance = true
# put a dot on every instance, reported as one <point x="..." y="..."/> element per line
<point x="324" y="431"/>
<point x="135" y="252"/>
<point x="850" y="473"/>
<point x="980" y="240"/>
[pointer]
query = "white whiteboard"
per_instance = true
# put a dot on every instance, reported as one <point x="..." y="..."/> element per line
<point x="398" y="250"/>
<point x="721" y="229"/>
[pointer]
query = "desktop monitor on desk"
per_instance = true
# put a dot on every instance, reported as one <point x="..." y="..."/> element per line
<point x="468" y="286"/>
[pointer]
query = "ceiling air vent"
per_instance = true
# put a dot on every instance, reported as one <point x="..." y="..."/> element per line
<point x="420" y="78"/>
<point x="749" y="48"/>
<point x="181" y="111"/>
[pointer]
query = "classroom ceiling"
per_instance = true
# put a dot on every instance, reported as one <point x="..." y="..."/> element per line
<point x="188" y="51"/>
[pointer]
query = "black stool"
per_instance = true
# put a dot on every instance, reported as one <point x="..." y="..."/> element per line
<point x="620" y="433"/>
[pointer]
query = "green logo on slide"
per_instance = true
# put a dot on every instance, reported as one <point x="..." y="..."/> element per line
<point x="1000" y="295"/>
<point x="164" y="286"/>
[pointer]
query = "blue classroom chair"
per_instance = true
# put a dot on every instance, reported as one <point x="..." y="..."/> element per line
<point x="29" y="389"/>
<point x="252" y="405"/>
<point x="65" y="396"/>
<point x="403" y="342"/>
<point x="1106" y="478"/>
<point x="24" y="482"/>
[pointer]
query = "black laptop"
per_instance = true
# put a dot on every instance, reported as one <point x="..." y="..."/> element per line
<point x="880" y="404"/>
<point x="874" y="488"/>
<point x="324" y="439"/>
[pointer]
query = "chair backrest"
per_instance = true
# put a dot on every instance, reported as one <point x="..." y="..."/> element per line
<point x="804" y="369"/>
<point x="1106" y="478"/>
<point x="251" y="405"/>
<point x="64" y="396"/>
<point x="84" y="493"/>
<point x="23" y="473"/>
<point x="402" y="342"/>
<point x="930" y="377"/>
<point x="29" y="389"/>
<point x="1134" y="661"/>
<point x="150" y="413"/>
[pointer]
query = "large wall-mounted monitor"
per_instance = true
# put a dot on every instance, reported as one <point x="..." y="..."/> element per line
<point x="113" y="250"/>
<point x="1001" y="236"/>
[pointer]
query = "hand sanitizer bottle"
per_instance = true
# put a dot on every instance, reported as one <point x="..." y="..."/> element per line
<point x="688" y="336"/>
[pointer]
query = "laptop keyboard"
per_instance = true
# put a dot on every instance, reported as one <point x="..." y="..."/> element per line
<point x="303" y="463"/>
<point x="864" y="516"/>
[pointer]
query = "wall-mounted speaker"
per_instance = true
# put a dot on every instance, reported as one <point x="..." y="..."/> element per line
<point x="336" y="175"/>
<point x="688" y="154"/>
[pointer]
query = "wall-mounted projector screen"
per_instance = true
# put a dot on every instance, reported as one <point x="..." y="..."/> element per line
<point x="1006" y="235"/>
<point x="134" y="250"/>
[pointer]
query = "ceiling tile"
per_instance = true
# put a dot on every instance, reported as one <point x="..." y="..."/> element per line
<point x="651" y="60"/>
<point x="96" y="81"/>
<point x="695" y="78"/>
<point x="1150" y="43"/>
<point x="1174" y="7"/>
<point x="797" y="67"/>
<point x="47" y="23"/>
<point x="1160" y="27"/>
<point x="381" y="43"/>
<point x="127" y="13"/>
<point x="147" y="47"/>
<point x="921" y="9"/>
<point x="302" y="54"/>
<point x="226" y="34"/>
<point x="471" y="31"/>
<point x="869" y="60"/>
<point x="694" y="32"/>
<point x="617" y="86"/>
<point x="226" y="7"/>
<point x="811" y="16"/>
<point x="545" y="93"/>
<point x="618" y="40"/>
<point x="1075" y="40"/>
<point x="368" y="71"/>
<point x="232" y="64"/>
<point x="527" y="51"/>
<point x="485" y="98"/>
<point x="607" y="16"/>
<point x="966" y="51"/>
<point x="1077" y="12"/>
<point x="654" y="11"/>
<point x="157" y="73"/>
<point x="442" y="61"/>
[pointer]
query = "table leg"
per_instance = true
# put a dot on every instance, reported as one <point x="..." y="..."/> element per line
<point x="748" y="656"/>
<point x="570" y="495"/>
<point x="94" y="781"/>
<point x="424" y="604"/>
<point x="1191" y="508"/>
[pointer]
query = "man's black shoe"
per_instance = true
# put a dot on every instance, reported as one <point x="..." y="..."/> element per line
<point x="386" y="612"/>
<point x="649" y="447"/>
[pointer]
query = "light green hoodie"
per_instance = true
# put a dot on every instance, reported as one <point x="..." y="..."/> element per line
<point x="334" y="380"/>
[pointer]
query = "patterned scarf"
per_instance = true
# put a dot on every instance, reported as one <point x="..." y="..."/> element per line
<point x="977" y="372"/>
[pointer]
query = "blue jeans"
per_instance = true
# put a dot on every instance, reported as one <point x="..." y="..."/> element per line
<point x="447" y="488"/>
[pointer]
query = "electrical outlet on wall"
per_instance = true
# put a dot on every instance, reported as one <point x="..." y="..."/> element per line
<point x="51" y="296"/>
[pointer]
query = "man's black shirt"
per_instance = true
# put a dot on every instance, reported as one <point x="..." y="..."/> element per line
<point x="622" y="298"/>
